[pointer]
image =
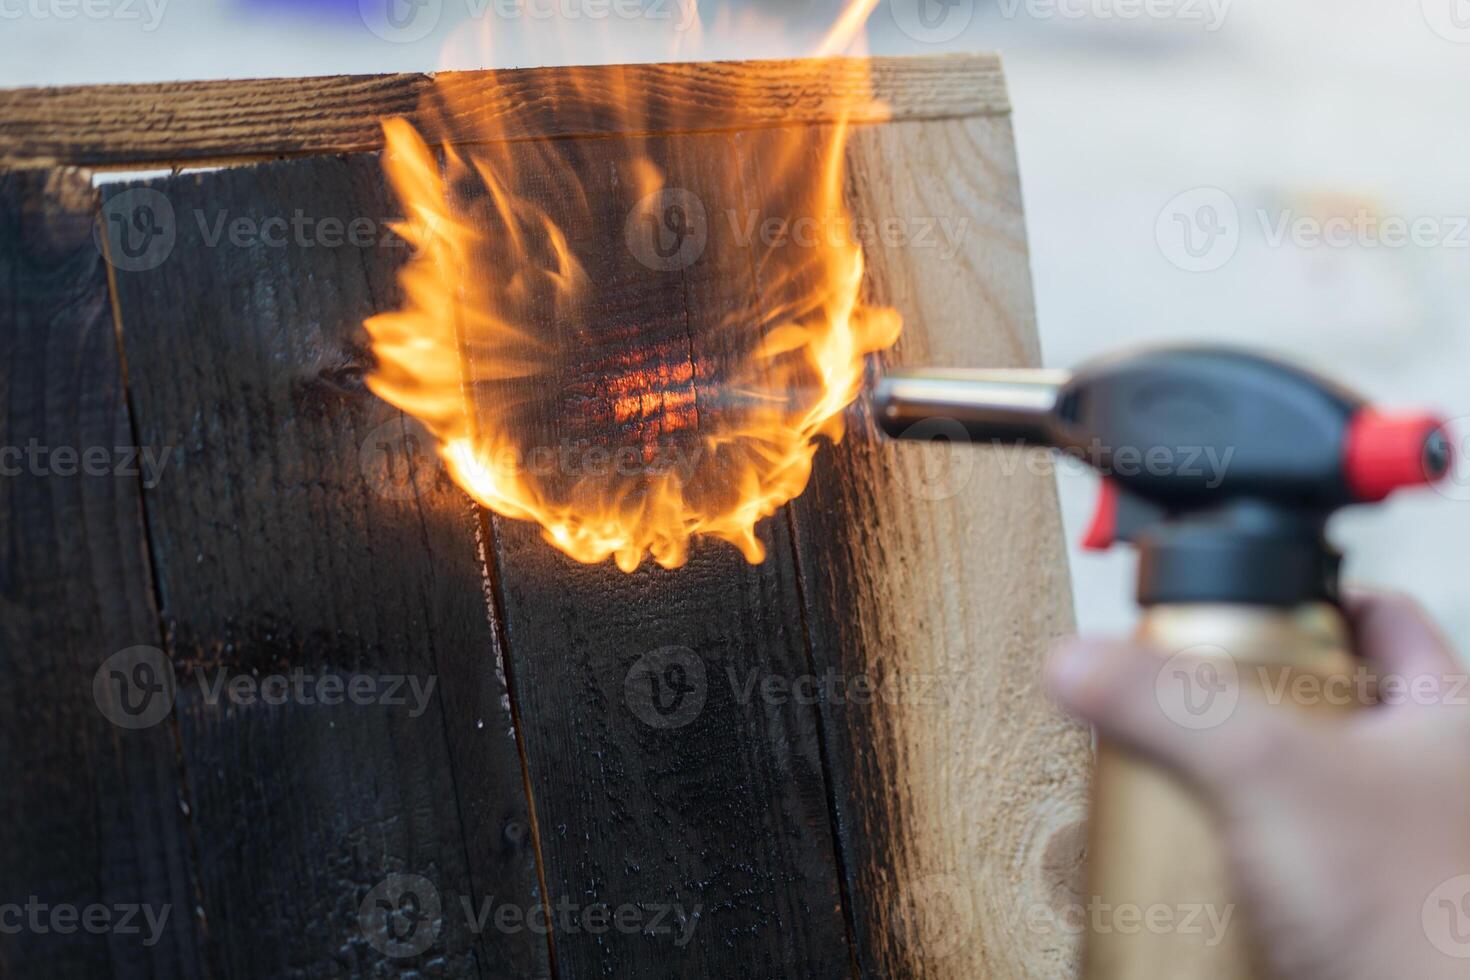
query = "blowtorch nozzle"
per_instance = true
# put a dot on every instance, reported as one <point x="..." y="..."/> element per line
<point x="1004" y="406"/>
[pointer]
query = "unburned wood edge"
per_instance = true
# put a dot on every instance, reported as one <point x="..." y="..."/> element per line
<point x="182" y="124"/>
<point x="959" y="799"/>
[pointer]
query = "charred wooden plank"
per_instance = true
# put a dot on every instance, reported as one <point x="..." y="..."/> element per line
<point x="671" y="792"/>
<point x="299" y="531"/>
<point x="96" y="811"/>
<point x="178" y="123"/>
<point x="670" y="784"/>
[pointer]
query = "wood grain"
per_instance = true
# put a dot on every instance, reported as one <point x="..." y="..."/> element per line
<point x="96" y="815"/>
<point x="296" y="531"/>
<point x="198" y="123"/>
<point x="718" y="812"/>
<point x="919" y="817"/>
<point x="936" y="577"/>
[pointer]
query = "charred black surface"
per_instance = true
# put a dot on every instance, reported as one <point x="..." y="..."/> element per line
<point x="95" y="815"/>
<point x="300" y="529"/>
<point x="304" y="527"/>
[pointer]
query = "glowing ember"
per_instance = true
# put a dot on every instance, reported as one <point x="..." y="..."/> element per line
<point x="539" y="344"/>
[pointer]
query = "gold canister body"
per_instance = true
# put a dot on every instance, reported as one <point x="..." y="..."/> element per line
<point x="1161" y="903"/>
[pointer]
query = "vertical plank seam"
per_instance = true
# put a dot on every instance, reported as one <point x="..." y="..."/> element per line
<point x="495" y="611"/>
<point x="849" y="912"/>
<point x="489" y="568"/>
<point x="459" y="811"/>
<point x="829" y="787"/>
<point x="200" y="915"/>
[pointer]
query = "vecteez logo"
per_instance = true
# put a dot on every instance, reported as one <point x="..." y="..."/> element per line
<point x="668" y="230"/>
<point x="399" y="462"/>
<point x="1202" y="229"/>
<point x="148" y="13"/>
<point x="137" y="230"/>
<point x="401" y="21"/>
<point x="1456" y="483"/>
<point x="1209" y="14"/>
<point x="134" y="688"/>
<point x="402" y="916"/>
<point x="1199" y="230"/>
<point x="1447" y="918"/>
<point x="936" y="915"/>
<point x="1450" y="19"/>
<point x="932" y="21"/>
<point x="667" y="688"/>
<point x="1198" y="688"/>
<point x="946" y="466"/>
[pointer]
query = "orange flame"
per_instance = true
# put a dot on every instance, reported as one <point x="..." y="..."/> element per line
<point x="537" y="308"/>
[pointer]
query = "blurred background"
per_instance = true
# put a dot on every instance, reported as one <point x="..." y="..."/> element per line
<point x="1284" y="173"/>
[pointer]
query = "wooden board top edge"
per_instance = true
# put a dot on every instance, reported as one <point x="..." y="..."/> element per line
<point x="176" y="124"/>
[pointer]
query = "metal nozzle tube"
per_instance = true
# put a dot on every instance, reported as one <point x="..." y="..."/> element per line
<point x="1004" y="406"/>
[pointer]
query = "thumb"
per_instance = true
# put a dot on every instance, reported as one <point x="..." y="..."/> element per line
<point x="1188" y="712"/>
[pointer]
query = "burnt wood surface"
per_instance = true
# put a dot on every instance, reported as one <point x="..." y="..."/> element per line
<point x="302" y="525"/>
<point x="298" y="529"/>
<point x="95" y="815"/>
<point x="663" y="776"/>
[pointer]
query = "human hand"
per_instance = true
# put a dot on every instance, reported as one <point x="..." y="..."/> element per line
<point x="1348" y="838"/>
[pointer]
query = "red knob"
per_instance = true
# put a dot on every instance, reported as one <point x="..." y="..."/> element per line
<point x="1103" y="533"/>
<point x="1387" y="452"/>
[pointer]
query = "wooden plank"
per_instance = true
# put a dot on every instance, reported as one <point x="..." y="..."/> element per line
<point x="700" y="807"/>
<point x="934" y="581"/>
<point x="958" y="819"/>
<point x="95" y="813"/>
<point x="298" y="532"/>
<point x="199" y="123"/>
<point x="714" y="832"/>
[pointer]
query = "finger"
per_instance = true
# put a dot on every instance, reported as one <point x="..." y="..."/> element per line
<point x="1397" y="635"/>
<point x="1198" y="723"/>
